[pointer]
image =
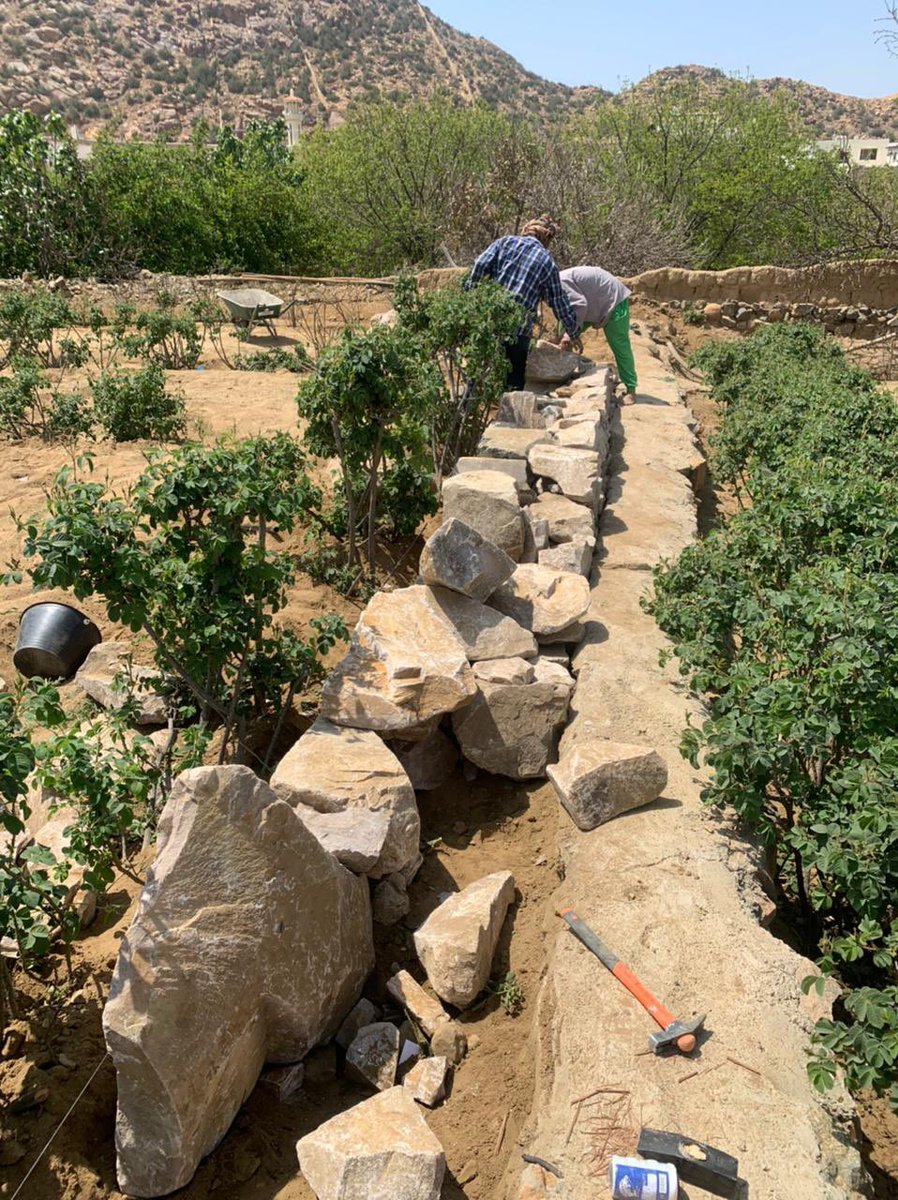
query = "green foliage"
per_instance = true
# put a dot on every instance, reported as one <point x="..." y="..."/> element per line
<point x="184" y="556"/>
<point x="784" y="618"/>
<point x="39" y="324"/>
<point x="164" y="338"/>
<point x="30" y="406"/>
<point x="296" y="360"/>
<point x="462" y="334"/>
<point x="509" y="993"/>
<point x="112" y="780"/>
<point x="135" y="405"/>
<point x="367" y="404"/>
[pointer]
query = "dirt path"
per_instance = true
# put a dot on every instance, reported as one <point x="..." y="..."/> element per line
<point x="457" y="73"/>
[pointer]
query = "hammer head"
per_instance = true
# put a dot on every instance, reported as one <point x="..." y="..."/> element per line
<point x="678" y="1033"/>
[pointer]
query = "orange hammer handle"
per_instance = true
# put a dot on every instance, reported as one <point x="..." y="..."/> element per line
<point x="623" y="973"/>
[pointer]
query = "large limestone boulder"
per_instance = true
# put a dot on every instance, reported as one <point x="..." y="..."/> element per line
<point x="457" y="942"/>
<point x="597" y="780"/>
<point x="488" y="502"/>
<point x="404" y="665"/>
<point x="568" y="521"/>
<point x="360" y="794"/>
<point x="577" y="472"/>
<point x="512" y="729"/>
<point x="547" y="364"/>
<point x="484" y="632"/>
<point x="573" y="556"/>
<point x="428" y="763"/>
<point x="542" y="598"/>
<point x="460" y="558"/>
<point x="381" y="1149"/>
<point x="111" y="678"/>
<point x="250" y="945"/>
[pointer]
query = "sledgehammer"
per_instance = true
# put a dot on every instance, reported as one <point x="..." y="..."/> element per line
<point x="673" y="1033"/>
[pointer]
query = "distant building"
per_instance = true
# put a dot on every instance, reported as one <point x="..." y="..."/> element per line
<point x="293" y="111"/>
<point x="861" y="151"/>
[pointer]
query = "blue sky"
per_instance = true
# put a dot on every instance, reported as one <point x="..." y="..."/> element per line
<point x="610" y="42"/>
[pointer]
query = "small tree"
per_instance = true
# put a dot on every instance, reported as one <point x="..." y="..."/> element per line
<point x="184" y="556"/>
<point x="368" y="403"/>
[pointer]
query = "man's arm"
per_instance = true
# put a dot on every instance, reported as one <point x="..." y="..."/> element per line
<point x="559" y="303"/>
<point x="484" y="267"/>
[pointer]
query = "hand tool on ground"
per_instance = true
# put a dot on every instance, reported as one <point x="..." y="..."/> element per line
<point x="673" y="1032"/>
<point x="697" y="1163"/>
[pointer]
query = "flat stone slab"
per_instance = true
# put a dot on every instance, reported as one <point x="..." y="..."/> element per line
<point x="573" y="556"/>
<point x="457" y="942"/>
<point x="488" y="502"/>
<point x="508" y="441"/>
<point x="404" y="665"/>
<point x="514" y="468"/>
<point x="249" y="946"/>
<point x="462" y="559"/>
<point x="577" y="472"/>
<point x="381" y="1149"/>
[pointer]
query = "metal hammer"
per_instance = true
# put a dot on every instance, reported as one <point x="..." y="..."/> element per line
<point x="673" y="1033"/>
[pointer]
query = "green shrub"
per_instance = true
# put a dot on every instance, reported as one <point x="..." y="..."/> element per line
<point x="296" y="360"/>
<point x="162" y="337"/>
<point x="135" y="405"/>
<point x="39" y="324"/>
<point x="29" y="406"/>
<point x="785" y="618"/>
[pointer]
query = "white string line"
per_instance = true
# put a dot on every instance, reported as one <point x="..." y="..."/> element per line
<point x="60" y="1125"/>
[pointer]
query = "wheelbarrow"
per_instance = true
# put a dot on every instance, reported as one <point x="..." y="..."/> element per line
<point x="254" y="306"/>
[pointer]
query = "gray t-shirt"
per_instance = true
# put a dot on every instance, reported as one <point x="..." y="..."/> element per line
<point x="594" y="294"/>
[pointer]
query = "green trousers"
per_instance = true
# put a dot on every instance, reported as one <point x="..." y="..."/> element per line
<point x="617" y="335"/>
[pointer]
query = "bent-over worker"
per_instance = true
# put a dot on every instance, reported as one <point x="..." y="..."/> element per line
<point x="523" y="265"/>
<point x="600" y="301"/>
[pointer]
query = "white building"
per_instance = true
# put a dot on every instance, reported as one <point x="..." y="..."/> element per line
<point x="861" y="151"/>
<point x="293" y="107"/>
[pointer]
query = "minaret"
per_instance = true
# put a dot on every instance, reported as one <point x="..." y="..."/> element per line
<point x="293" y="118"/>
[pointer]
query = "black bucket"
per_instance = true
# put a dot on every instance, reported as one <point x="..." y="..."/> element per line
<point x="54" y="640"/>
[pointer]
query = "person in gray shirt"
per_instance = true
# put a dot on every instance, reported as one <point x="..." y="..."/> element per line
<point x="600" y="301"/>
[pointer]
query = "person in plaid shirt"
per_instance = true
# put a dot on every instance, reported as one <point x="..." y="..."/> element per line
<point x="525" y="268"/>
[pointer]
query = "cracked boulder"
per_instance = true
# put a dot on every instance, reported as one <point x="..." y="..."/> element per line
<point x="577" y="472"/>
<point x="542" y="598"/>
<point x="597" y="780"/>
<point x="488" y="502"/>
<point x="362" y="803"/>
<point x="547" y="363"/>
<point x="381" y="1149"/>
<point x="457" y="942"/>
<point x="250" y="945"/>
<point x="109" y="676"/>
<point x="404" y="666"/>
<point x="461" y="559"/>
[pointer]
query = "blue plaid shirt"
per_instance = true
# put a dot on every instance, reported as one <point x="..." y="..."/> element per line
<point x="524" y="267"/>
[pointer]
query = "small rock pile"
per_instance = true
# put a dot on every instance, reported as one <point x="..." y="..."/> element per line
<point x="254" y="935"/>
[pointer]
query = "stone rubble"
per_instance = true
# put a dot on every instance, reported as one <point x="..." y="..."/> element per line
<point x="373" y="1055"/>
<point x="250" y="945"/>
<point x="381" y="1149"/>
<point x="457" y="942"/>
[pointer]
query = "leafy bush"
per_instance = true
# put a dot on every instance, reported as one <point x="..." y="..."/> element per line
<point x="135" y="405"/>
<point x="29" y="406"/>
<point x="296" y="360"/>
<point x="185" y="557"/>
<point x="39" y="324"/>
<point x="784" y="617"/>
<point x="164" y="338"/>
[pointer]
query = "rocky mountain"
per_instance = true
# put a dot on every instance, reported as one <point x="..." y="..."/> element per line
<point x="157" y="65"/>
<point x="825" y="113"/>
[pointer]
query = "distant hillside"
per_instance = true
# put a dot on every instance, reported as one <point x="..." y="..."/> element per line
<point x="824" y="112"/>
<point x="160" y="64"/>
